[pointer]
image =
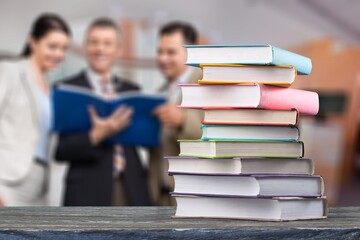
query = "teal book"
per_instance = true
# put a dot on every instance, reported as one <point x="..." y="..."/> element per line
<point x="251" y="54"/>
<point x="249" y="133"/>
<point x="70" y="114"/>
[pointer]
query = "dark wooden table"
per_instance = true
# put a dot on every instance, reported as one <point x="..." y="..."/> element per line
<point x="156" y="223"/>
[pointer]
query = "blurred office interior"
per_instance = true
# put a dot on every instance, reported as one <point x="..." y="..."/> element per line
<point x="327" y="31"/>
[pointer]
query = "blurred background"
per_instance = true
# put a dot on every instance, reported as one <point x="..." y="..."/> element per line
<point x="327" y="31"/>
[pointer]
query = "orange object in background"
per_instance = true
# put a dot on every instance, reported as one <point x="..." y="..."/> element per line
<point x="335" y="70"/>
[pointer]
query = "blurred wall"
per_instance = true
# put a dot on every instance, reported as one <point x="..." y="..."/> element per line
<point x="326" y="31"/>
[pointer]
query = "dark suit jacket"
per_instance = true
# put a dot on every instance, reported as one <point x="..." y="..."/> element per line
<point x="89" y="180"/>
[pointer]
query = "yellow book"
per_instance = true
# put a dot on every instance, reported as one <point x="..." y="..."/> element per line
<point x="244" y="74"/>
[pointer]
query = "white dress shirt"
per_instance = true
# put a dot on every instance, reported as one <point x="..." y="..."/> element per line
<point x="95" y="81"/>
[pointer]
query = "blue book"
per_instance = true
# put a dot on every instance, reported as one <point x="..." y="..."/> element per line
<point x="252" y="54"/>
<point x="70" y="106"/>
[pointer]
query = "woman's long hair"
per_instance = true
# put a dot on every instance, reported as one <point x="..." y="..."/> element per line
<point x="44" y="24"/>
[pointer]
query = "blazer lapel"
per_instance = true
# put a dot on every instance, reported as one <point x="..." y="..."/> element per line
<point x="118" y="84"/>
<point x="82" y="81"/>
<point x="26" y="78"/>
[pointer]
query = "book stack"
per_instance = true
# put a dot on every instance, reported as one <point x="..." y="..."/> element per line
<point x="249" y="162"/>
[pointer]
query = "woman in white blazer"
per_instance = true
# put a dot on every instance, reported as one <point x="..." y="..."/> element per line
<point x="25" y="113"/>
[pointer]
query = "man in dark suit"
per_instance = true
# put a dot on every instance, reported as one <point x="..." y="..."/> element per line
<point x="93" y="162"/>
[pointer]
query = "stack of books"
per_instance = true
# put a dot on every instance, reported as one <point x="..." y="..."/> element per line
<point x="249" y="162"/>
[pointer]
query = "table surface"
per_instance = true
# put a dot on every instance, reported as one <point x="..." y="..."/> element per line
<point x="343" y="222"/>
<point x="147" y="218"/>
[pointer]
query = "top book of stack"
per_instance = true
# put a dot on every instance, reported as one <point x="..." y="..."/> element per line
<point x="247" y="54"/>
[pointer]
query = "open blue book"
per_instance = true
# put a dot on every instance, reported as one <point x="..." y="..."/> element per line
<point x="70" y="106"/>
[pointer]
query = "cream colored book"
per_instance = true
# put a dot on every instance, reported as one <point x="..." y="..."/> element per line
<point x="262" y="209"/>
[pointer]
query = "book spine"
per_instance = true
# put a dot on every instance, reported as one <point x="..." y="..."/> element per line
<point x="322" y="186"/>
<point x="302" y="149"/>
<point x="282" y="57"/>
<point x="297" y="116"/>
<point x="305" y="102"/>
<point x="249" y="124"/>
<point x="298" y="132"/>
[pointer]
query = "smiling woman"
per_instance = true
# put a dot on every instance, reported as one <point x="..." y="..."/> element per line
<point x="25" y="118"/>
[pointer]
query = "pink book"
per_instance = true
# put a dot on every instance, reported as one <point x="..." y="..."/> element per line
<point x="249" y="96"/>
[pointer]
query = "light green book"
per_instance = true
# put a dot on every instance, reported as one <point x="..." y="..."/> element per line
<point x="230" y="149"/>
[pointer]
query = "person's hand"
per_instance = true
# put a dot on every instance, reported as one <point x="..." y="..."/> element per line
<point x="2" y="202"/>
<point x="170" y="115"/>
<point x="103" y="128"/>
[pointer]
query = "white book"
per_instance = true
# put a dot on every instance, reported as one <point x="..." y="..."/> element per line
<point x="249" y="186"/>
<point x="262" y="209"/>
<point x="237" y="166"/>
<point x="248" y="54"/>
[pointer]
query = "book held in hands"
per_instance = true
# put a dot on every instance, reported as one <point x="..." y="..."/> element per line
<point x="70" y="106"/>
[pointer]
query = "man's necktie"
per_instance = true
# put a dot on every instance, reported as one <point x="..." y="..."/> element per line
<point x="119" y="160"/>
